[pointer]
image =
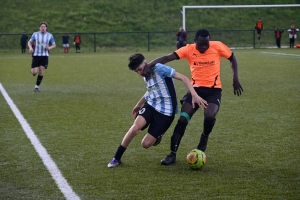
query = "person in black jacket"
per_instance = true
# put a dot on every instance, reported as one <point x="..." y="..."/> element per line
<point x="181" y="38"/>
<point x="278" y="33"/>
<point x="23" y="41"/>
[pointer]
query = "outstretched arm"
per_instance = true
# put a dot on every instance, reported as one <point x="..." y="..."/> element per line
<point x="195" y="98"/>
<point x="237" y="88"/>
<point x="162" y="60"/>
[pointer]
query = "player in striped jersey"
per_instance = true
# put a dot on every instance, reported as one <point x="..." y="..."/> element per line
<point x="157" y="107"/>
<point x="204" y="59"/>
<point x="44" y="42"/>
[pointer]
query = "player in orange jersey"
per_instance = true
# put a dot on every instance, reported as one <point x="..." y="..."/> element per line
<point x="259" y="27"/>
<point x="204" y="60"/>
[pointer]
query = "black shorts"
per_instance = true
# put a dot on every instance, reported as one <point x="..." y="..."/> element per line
<point x="39" y="61"/>
<point x="211" y="95"/>
<point x="159" y="123"/>
<point x="258" y="31"/>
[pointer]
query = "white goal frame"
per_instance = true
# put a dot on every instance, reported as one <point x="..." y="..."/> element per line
<point x="233" y="6"/>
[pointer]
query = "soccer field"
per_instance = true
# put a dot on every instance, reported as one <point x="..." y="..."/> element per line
<point x="84" y="109"/>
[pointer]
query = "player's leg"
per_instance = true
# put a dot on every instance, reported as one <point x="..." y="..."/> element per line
<point x="138" y="124"/>
<point x="258" y="34"/>
<point x="187" y="111"/>
<point x="210" y="113"/>
<point x="159" y="125"/>
<point x="42" y="67"/>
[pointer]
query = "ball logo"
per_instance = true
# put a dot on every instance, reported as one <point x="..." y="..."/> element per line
<point x="142" y="111"/>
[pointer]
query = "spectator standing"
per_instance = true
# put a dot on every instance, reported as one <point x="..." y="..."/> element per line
<point x="259" y="27"/>
<point x="23" y="41"/>
<point x="278" y="33"/>
<point x="181" y="38"/>
<point x="77" y="42"/>
<point x="65" y="39"/>
<point x="292" y="35"/>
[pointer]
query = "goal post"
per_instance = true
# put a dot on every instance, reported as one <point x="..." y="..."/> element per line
<point x="231" y="6"/>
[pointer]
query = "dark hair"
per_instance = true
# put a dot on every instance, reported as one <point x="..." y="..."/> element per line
<point x="135" y="60"/>
<point x="44" y="23"/>
<point x="202" y="33"/>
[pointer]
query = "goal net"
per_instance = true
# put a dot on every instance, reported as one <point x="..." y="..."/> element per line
<point x="234" y="24"/>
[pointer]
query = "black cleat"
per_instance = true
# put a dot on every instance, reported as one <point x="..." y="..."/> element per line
<point x="170" y="159"/>
<point x="203" y="142"/>
<point x="36" y="89"/>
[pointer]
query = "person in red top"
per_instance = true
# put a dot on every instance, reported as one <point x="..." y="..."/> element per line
<point x="77" y="41"/>
<point x="204" y="60"/>
<point x="278" y="33"/>
<point x="259" y="27"/>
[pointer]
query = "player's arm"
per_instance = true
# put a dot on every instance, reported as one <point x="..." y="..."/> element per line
<point x="162" y="60"/>
<point x="30" y="46"/>
<point x="236" y="83"/>
<point x="52" y="44"/>
<point x="195" y="98"/>
<point x="138" y="106"/>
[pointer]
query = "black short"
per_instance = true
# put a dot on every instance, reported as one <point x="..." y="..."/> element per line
<point x="258" y="31"/>
<point x="159" y="123"/>
<point x="211" y="95"/>
<point x="39" y="61"/>
<point x="23" y="46"/>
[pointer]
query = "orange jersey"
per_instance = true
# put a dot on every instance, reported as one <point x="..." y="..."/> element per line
<point x="205" y="68"/>
<point x="77" y="39"/>
<point x="259" y="25"/>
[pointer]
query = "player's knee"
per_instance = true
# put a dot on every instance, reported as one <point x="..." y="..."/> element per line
<point x="146" y="144"/>
<point x="135" y="129"/>
<point x="210" y="116"/>
<point x="184" y="118"/>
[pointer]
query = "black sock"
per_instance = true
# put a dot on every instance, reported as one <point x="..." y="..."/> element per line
<point x="120" y="152"/>
<point x="39" y="80"/>
<point x="177" y="135"/>
<point x="208" y="126"/>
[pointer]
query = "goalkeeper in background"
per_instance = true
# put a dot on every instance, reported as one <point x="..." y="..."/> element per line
<point x="259" y="27"/>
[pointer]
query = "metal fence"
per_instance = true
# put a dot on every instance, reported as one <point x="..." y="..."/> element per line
<point x="149" y="41"/>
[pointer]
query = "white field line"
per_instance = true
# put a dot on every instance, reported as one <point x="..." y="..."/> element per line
<point x="280" y="54"/>
<point x="61" y="182"/>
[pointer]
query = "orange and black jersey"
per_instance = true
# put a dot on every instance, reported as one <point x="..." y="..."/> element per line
<point x="205" y="67"/>
<point x="259" y="25"/>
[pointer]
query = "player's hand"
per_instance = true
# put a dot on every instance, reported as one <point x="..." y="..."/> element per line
<point x="198" y="100"/>
<point x="31" y="50"/>
<point x="135" y="111"/>
<point x="237" y="88"/>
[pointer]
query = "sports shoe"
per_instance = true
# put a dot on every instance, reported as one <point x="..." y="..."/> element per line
<point x="36" y="89"/>
<point x="203" y="142"/>
<point x="113" y="163"/>
<point x="170" y="159"/>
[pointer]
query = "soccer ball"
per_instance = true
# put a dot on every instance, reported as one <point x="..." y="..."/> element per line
<point x="196" y="159"/>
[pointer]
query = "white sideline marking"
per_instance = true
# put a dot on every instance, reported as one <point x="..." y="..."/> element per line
<point x="281" y="54"/>
<point x="61" y="182"/>
<point x="284" y="54"/>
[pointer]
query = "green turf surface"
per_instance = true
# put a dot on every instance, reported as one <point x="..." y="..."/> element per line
<point x="84" y="109"/>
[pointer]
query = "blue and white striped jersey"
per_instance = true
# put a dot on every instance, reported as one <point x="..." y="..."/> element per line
<point x="161" y="94"/>
<point x="41" y="41"/>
